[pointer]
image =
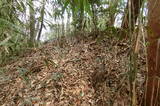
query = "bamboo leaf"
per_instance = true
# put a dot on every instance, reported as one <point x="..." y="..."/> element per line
<point x="66" y="3"/>
<point x="6" y="24"/>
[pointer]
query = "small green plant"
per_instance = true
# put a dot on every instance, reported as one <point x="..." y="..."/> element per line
<point x="57" y="76"/>
<point x="23" y="72"/>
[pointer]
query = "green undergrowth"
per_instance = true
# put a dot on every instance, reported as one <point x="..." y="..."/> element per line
<point x="12" y="51"/>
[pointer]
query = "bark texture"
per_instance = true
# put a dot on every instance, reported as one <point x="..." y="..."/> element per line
<point x="152" y="97"/>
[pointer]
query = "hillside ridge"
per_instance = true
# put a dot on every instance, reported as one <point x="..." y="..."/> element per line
<point x="75" y="71"/>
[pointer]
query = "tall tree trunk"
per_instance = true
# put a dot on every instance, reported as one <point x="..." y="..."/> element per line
<point x="74" y="17"/>
<point x="94" y="17"/>
<point x="32" y="21"/>
<point x="63" y="28"/>
<point x="152" y="94"/>
<point x="42" y="21"/>
<point x="80" y="19"/>
<point x="68" y="29"/>
<point x="135" y="10"/>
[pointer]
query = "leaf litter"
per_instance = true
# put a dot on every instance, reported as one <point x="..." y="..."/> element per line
<point x="71" y="72"/>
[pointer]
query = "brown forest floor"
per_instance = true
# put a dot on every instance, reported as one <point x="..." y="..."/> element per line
<point x="71" y="72"/>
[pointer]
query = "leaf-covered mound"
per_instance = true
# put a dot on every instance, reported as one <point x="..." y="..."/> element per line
<point x="71" y="72"/>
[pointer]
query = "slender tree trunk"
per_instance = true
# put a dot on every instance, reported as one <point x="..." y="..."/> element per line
<point x="80" y="19"/>
<point x="68" y="29"/>
<point x="42" y="21"/>
<point x="152" y="94"/>
<point x="135" y="10"/>
<point x="94" y="17"/>
<point x="74" y="17"/>
<point x="32" y="22"/>
<point x="63" y="28"/>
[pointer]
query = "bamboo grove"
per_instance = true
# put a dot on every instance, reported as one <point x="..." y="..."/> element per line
<point x="22" y="23"/>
